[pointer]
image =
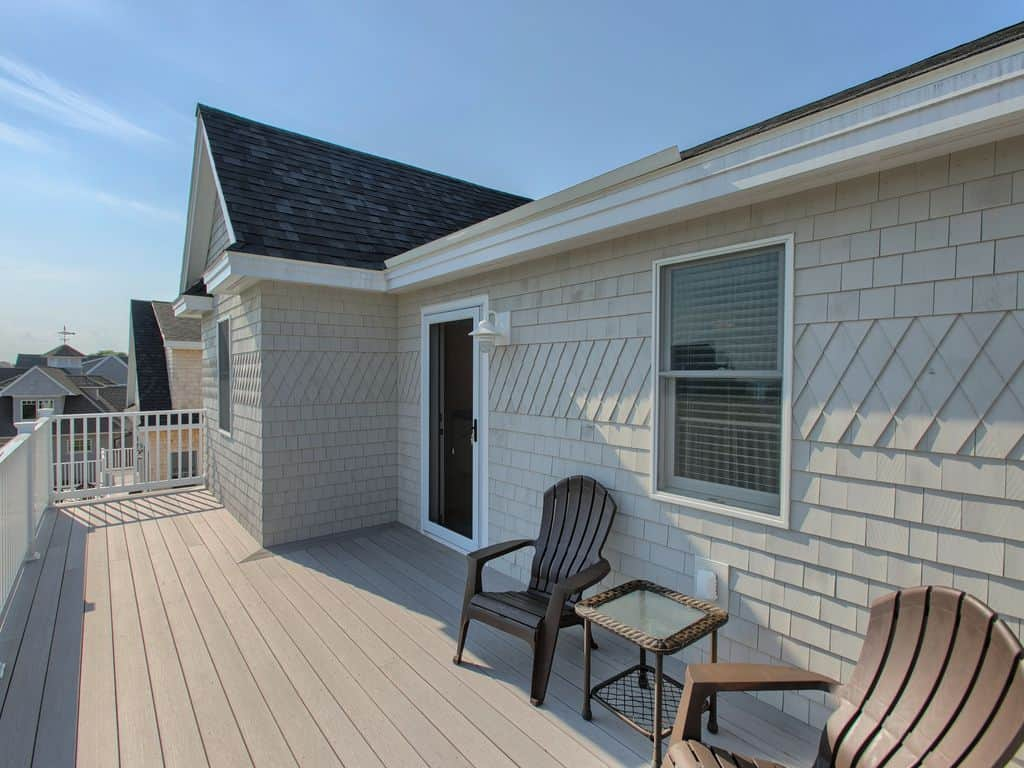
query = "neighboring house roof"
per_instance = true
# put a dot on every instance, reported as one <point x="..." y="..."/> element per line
<point x="64" y="350"/>
<point x="40" y="381"/>
<point x="972" y="48"/>
<point x="153" y="391"/>
<point x="296" y="197"/>
<point x="174" y="328"/>
<point x="110" y="367"/>
<point x="27" y="361"/>
<point x="113" y="397"/>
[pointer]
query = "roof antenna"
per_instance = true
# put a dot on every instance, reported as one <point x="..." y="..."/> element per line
<point x="64" y="333"/>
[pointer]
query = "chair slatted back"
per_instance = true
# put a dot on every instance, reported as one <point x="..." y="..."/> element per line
<point x="940" y="681"/>
<point x="575" y="522"/>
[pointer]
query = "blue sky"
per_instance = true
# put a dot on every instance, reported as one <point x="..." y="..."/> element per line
<point x="97" y="107"/>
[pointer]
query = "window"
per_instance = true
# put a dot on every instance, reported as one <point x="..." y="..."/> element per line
<point x="224" y="374"/>
<point x="82" y="444"/>
<point x="184" y="464"/>
<point x="30" y="408"/>
<point x="721" y="407"/>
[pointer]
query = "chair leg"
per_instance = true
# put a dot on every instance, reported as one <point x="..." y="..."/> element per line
<point x="593" y="642"/>
<point x="463" y="629"/>
<point x="543" y="659"/>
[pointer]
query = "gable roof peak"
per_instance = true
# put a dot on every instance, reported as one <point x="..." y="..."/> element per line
<point x="293" y="196"/>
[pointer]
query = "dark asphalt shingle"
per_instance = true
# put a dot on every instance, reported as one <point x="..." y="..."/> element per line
<point x="300" y="198"/>
<point x="154" y="390"/>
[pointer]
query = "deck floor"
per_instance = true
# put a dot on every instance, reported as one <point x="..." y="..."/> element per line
<point x="154" y="631"/>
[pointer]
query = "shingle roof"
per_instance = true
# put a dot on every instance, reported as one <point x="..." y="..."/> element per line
<point x="176" y="328"/>
<point x="300" y="198"/>
<point x="153" y="389"/>
<point x="64" y="350"/>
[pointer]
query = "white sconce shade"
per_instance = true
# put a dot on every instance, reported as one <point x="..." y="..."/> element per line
<point x="492" y="331"/>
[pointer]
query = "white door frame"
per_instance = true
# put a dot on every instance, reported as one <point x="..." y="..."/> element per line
<point x="473" y="308"/>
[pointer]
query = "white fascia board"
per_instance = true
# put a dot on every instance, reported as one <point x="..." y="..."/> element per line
<point x="576" y="193"/>
<point x="200" y="214"/>
<point x="880" y="130"/>
<point x="183" y="344"/>
<point x="192" y="306"/>
<point x="234" y="271"/>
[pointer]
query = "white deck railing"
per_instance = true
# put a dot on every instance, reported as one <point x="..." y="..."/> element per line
<point x="24" y="496"/>
<point x="98" y="454"/>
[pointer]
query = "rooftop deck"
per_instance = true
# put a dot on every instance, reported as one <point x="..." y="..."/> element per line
<point x="194" y="646"/>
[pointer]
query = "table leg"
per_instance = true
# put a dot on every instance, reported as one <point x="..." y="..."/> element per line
<point x="657" y="710"/>
<point x="586" y="670"/>
<point x="713" y="704"/>
<point x="642" y="680"/>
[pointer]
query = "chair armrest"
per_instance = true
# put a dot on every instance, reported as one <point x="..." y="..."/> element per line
<point x="703" y="680"/>
<point x="497" y="550"/>
<point x="565" y="589"/>
<point x="476" y="561"/>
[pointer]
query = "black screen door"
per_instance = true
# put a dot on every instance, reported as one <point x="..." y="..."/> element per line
<point x="452" y="426"/>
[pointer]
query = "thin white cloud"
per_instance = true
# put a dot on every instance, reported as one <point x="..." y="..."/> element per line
<point x="21" y="139"/>
<point x="70" y="190"/>
<point x="30" y="89"/>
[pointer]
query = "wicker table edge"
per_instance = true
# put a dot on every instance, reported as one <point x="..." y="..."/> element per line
<point x="714" y="617"/>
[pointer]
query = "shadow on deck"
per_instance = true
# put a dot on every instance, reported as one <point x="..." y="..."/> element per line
<point x="154" y="630"/>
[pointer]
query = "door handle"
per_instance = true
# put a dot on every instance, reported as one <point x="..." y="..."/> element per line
<point x="474" y="430"/>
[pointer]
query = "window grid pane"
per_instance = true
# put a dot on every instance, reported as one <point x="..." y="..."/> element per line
<point x="722" y="374"/>
<point x="724" y="313"/>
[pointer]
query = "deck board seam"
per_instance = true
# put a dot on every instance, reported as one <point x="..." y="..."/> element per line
<point x="274" y="653"/>
<point x="237" y="647"/>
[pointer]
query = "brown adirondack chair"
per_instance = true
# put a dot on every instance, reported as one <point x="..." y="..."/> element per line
<point x="940" y="682"/>
<point x="577" y="516"/>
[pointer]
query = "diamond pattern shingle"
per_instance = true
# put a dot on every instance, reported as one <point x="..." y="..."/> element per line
<point x="300" y="198"/>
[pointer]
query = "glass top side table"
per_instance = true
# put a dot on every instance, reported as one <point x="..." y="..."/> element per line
<point x="661" y="622"/>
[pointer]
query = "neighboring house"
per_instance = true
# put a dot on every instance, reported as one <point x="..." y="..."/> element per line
<point x="165" y="356"/>
<point x="796" y="350"/>
<point x="111" y="367"/>
<point x="25" y="392"/>
<point x="63" y="356"/>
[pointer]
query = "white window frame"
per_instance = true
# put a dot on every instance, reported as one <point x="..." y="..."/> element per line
<point x="40" y="404"/>
<point x="780" y="520"/>
<point x="220" y="362"/>
<point x="82" y="444"/>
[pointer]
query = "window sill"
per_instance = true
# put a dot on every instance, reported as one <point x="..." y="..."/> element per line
<point x="705" y="505"/>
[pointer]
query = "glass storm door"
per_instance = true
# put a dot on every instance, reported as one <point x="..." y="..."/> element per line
<point x="451" y="396"/>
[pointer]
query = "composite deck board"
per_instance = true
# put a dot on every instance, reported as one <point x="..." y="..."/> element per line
<point x="347" y="743"/>
<point x="97" y="719"/>
<point x="58" y="715"/>
<point x="507" y="656"/>
<point x="386" y="738"/>
<point x="196" y="646"/>
<point x="15" y="617"/>
<point x="218" y="727"/>
<point x="28" y="675"/>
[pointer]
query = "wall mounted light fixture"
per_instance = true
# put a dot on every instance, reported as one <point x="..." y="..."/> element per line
<point x="493" y="331"/>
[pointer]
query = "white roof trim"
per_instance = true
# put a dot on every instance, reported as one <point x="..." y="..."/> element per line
<point x="3" y="392"/>
<point x="969" y="102"/>
<point x="192" y="306"/>
<point x="200" y="207"/>
<point x="183" y="344"/>
<point x="233" y="272"/>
